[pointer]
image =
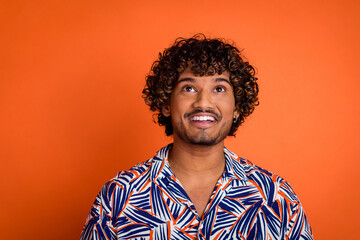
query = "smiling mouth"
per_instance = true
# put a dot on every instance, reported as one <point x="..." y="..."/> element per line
<point x="202" y="119"/>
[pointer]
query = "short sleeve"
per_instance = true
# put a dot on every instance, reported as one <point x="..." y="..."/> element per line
<point x="99" y="223"/>
<point x="297" y="225"/>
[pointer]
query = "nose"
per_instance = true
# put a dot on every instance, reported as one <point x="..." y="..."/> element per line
<point x="204" y="100"/>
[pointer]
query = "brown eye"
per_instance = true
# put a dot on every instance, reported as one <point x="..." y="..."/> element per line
<point x="219" y="89"/>
<point x="188" y="89"/>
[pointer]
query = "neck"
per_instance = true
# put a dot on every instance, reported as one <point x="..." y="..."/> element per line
<point x="197" y="160"/>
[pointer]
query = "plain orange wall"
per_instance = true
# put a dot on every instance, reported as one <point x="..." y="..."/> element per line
<point x="72" y="116"/>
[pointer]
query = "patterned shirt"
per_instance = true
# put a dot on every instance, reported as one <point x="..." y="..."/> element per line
<point x="148" y="202"/>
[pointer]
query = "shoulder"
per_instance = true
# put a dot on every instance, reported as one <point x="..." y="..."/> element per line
<point x="132" y="178"/>
<point x="271" y="186"/>
<point x="116" y="191"/>
<point x="280" y="200"/>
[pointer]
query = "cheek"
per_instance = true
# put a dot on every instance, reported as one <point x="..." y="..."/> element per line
<point x="228" y="105"/>
<point x="179" y="106"/>
<point x="177" y="110"/>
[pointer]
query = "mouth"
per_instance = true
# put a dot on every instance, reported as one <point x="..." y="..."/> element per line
<point x="202" y="121"/>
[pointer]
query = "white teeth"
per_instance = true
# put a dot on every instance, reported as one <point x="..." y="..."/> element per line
<point x="202" y="118"/>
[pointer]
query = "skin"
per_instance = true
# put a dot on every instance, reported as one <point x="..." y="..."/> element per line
<point x="197" y="157"/>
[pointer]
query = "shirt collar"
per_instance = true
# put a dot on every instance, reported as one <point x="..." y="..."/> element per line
<point x="160" y="167"/>
<point x="233" y="165"/>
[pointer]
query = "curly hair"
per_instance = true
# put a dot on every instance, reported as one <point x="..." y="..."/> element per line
<point x="206" y="57"/>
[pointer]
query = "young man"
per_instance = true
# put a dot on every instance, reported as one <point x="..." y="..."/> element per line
<point x="201" y="90"/>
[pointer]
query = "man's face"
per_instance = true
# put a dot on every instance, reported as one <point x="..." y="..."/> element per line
<point x="201" y="108"/>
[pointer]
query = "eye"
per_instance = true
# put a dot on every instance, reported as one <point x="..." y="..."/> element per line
<point x="188" y="88"/>
<point x="220" y="89"/>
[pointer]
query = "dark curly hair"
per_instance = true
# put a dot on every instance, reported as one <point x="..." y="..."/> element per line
<point x="206" y="57"/>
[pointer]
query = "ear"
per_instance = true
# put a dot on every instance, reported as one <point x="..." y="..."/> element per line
<point x="236" y="114"/>
<point x="166" y="111"/>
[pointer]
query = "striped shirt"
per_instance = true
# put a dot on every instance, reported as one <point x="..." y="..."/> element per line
<point x="148" y="202"/>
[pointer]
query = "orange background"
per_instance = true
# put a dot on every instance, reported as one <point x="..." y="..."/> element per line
<point x="72" y="116"/>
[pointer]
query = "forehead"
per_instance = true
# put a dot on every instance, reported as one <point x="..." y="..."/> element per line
<point x="189" y="74"/>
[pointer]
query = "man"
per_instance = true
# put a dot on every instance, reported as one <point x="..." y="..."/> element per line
<point x="201" y="91"/>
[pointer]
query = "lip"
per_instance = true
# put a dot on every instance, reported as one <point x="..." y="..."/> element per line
<point x="202" y="120"/>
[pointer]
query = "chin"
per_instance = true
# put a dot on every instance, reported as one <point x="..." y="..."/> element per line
<point x="210" y="142"/>
<point x="201" y="138"/>
<point x="205" y="140"/>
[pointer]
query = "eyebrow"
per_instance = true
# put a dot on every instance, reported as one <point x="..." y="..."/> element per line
<point x="188" y="79"/>
<point x="222" y="80"/>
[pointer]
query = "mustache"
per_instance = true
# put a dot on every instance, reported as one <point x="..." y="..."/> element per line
<point x="195" y="111"/>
